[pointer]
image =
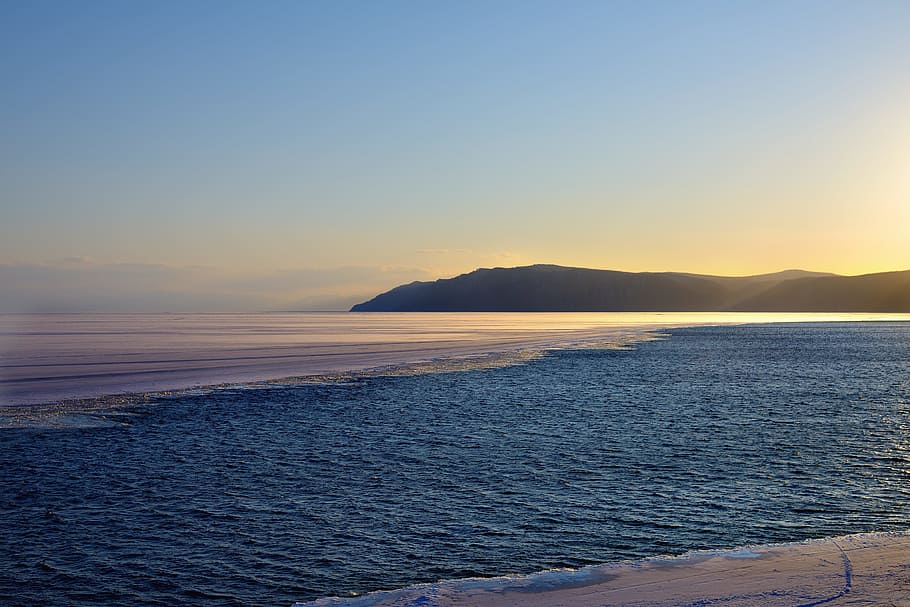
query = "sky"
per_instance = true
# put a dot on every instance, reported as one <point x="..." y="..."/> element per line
<point x="159" y="155"/>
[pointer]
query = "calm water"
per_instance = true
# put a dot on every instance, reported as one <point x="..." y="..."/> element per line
<point x="714" y="438"/>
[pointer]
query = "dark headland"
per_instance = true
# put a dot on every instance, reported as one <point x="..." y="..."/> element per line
<point x="550" y="288"/>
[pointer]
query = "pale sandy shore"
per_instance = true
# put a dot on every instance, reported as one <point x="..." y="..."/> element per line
<point x="863" y="569"/>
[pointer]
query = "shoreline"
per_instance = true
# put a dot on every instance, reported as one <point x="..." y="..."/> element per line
<point x="862" y="568"/>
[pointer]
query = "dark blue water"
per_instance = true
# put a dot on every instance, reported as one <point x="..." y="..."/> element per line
<point x="715" y="438"/>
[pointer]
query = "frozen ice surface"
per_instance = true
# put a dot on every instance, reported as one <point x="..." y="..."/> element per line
<point x="49" y="358"/>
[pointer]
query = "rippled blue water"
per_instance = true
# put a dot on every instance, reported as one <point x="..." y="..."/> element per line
<point x="714" y="438"/>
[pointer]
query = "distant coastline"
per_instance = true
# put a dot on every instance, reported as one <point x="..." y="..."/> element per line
<point x="551" y="288"/>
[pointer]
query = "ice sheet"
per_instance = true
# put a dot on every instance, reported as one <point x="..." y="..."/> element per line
<point x="48" y="358"/>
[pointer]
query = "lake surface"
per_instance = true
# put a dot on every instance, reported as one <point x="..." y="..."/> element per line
<point x="712" y="438"/>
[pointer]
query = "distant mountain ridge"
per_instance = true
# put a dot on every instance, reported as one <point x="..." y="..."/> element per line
<point x="551" y="288"/>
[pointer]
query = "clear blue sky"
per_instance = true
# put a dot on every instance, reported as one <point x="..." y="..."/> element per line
<point x="274" y="154"/>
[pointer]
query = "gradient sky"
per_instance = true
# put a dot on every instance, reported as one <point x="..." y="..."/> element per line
<point x="250" y="155"/>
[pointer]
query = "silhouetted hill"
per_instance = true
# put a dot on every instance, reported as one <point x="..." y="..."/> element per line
<point x="548" y="288"/>
<point x="884" y="292"/>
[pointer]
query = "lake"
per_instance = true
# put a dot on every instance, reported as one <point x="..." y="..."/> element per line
<point x="267" y="494"/>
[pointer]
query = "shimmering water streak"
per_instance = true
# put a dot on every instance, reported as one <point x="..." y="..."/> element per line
<point x="46" y="358"/>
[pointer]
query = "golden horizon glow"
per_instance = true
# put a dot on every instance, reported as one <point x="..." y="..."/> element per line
<point x="710" y="139"/>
